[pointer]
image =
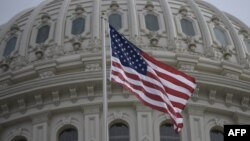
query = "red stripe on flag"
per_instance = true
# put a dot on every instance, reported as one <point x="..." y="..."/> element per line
<point x="166" y="67"/>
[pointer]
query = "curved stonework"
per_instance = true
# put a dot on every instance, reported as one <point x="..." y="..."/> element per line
<point x="47" y="87"/>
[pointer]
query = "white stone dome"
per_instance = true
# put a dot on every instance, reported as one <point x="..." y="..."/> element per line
<point x="50" y="67"/>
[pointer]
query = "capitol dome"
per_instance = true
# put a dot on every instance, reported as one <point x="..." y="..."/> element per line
<point x="51" y="70"/>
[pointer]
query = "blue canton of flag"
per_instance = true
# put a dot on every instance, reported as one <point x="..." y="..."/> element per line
<point x="127" y="53"/>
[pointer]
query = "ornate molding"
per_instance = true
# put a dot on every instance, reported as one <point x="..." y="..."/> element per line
<point x="229" y="99"/>
<point x="183" y="11"/>
<point x="191" y="42"/>
<point x="91" y="109"/>
<point x="219" y="122"/>
<point x="244" y="32"/>
<point x="145" y="138"/>
<point x="14" y="29"/>
<point x="91" y="92"/>
<point x="55" y="97"/>
<point x="5" y="83"/>
<point x="212" y="96"/>
<point x="118" y="115"/>
<point x="73" y="94"/>
<point x="5" y="110"/>
<point x="79" y="10"/>
<point x="125" y="93"/>
<point x="45" y="18"/>
<point x="149" y="5"/>
<point x="46" y="74"/>
<point x="40" y="118"/>
<point x="187" y="67"/>
<point x="153" y="37"/>
<point x="215" y="19"/>
<point x="22" y="105"/>
<point x="67" y="120"/>
<point x="195" y="95"/>
<point x="38" y="101"/>
<point x="114" y="5"/>
<point x="5" y="64"/>
<point x="19" y="131"/>
<point x="244" y="103"/>
<point x="92" y="66"/>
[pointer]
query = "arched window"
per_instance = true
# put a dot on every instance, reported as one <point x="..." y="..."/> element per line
<point x="10" y="46"/>
<point x="78" y="26"/>
<point x="247" y="43"/>
<point x="119" y="132"/>
<point x="167" y="133"/>
<point x="42" y="34"/>
<point x="19" y="138"/>
<point x="116" y="21"/>
<point x="152" y="22"/>
<point x="68" y="134"/>
<point x="221" y="36"/>
<point x="216" y="135"/>
<point x="187" y="27"/>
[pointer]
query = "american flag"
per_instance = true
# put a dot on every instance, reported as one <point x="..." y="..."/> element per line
<point x="155" y="84"/>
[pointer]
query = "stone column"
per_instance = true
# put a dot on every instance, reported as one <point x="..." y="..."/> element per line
<point x="144" y="123"/>
<point x="40" y="127"/>
<point x="96" y="20"/>
<point x="92" y="123"/>
<point x="196" y="124"/>
<point x="133" y="18"/>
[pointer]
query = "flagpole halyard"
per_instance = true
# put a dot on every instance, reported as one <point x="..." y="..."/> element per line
<point x="105" y="102"/>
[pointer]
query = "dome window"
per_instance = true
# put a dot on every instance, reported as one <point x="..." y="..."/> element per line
<point x="42" y="34"/>
<point x="69" y="134"/>
<point x="167" y="133"/>
<point x="119" y="132"/>
<point x="220" y="36"/>
<point x="10" y="46"/>
<point x="116" y="21"/>
<point x="78" y="26"/>
<point x="247" y="43"/>
<point x="152" y="22"/>
<point x="216" y="135"/>
<point x="187" y="27"/>
<point x="19" y="138"/>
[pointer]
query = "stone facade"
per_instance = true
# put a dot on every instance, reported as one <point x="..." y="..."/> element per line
<point x="48" y="86"/>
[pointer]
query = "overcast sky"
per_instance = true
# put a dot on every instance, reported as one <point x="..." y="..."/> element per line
<point x="238" y="8"/>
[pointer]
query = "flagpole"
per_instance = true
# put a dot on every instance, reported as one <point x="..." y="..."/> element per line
<point x="104" y="86"/>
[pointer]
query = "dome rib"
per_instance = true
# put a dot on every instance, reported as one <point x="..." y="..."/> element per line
<point x="203" y="26"/>
<point x="60" y="23"/>
<point x="169" y="20"/>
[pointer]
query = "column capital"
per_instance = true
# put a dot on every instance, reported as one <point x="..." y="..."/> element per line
<point x="40" y="118"/>
<point x="91" y="109"/>
<point x="142" y="108"/>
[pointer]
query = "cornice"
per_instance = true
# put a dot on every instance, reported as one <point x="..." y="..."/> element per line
<point x="41" y="84"/>
<point x="221" y="81"/>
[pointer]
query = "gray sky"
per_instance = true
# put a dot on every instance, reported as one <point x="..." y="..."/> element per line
<point x="238" y="8"/>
